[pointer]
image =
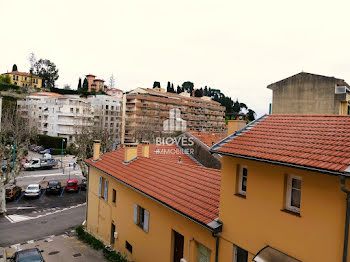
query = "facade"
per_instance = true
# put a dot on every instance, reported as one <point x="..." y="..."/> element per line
<point x="107" y="113"/>
<point x="146" y="110"/>
<point x="94" y="83"/>
<point x="153" y="207"/>
<point x="282" y="190"/>
<point x="57" y="115"/>
<point x="306" y="93"/>
<point x="23" y="79"/>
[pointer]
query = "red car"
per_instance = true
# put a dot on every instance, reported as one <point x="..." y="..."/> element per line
<point x="24" y="161"/>
<point x="72" y="185"/>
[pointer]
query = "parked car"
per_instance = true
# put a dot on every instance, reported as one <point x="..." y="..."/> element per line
<point x="13" y="192"/>
<point x="72" y="185"/>
<point x="4" y="164"/>
<point x="38" y="148"/>
<point x="33" y="190"/>
<point x="83" y="184"/>
<point x="46" y="151"/>
<point x="53" y="187"/>
<point x="28" y="255"/>
<point x="31" y="147"/>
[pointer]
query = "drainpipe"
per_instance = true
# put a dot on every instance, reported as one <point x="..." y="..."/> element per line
<point x="347" y="218"/>
<point x="216" y="235"/>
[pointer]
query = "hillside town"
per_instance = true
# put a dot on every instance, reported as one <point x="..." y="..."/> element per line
<point x="186" y="131"/>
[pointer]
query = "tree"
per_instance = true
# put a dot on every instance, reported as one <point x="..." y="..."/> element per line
<point x="156" y="84"/>
<point x="15" y="136"/>
<point x="168" y="87"/>
<point x="111" y="82"/>
<point x="5" y="79"/>
<point x="251" y="115"/>
<point x="67" y="87"/>
<point x="188" y="87"/>
<point x="32" y="61"/>
<point x="47" y="70"/>
<point x="198" y="92"/>
<point x="79" y="84"/>
<point x="85" y="85"/>
<point x="14" y="68"/>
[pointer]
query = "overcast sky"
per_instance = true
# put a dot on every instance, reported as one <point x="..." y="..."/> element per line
<point x="238" y="47"/>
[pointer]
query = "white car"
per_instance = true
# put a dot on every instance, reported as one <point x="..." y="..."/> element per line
<point x="33" y="190"/>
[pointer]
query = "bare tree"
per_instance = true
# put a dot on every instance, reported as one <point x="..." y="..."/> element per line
<point x="15" y="136"/>
<point x="32" y="61"/>
<point x="84" y="141"/>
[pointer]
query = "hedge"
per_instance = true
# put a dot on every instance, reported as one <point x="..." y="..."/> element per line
<point x="6" y="86"/>
<point x="57" y="151"/>
<point x="108" y="253"/>
<point x="51" y="141"/>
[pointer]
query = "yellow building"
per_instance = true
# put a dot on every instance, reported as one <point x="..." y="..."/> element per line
<point x="23" y="79"/>
<point x="281" y="195"/>
<point x="154" y="204"/>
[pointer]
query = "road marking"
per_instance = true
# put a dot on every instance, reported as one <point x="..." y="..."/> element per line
<point x="42" y="194"/>
<point x="63" y="188"/>
<point x="19" y="218"/>
<point x="20" y="197"/>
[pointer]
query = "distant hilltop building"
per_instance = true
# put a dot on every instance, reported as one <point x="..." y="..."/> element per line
<point x="306" y="93"/>
<point x="95" y="84"/>
<point x="114" y="92"/>
<point x="24" y="79"/>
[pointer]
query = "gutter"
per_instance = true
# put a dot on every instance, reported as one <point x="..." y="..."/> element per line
<point x="216" y="225"/>
<point x="314" y="169"/>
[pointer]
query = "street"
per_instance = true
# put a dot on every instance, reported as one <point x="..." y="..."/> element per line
<point x="35" y="218"/>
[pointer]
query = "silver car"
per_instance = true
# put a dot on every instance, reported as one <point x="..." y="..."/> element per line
<point x="33" y="190"/>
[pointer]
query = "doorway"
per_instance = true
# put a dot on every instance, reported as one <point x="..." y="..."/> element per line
<point x="112" y="234"/>
<point x="178" y="246"/>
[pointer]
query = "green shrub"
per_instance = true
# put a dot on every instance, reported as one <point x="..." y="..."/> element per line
<point x="57" y="151"/>
<point x="19" y="91"/>
<point x="51" y="141"/>
<point x="109" y="254"/>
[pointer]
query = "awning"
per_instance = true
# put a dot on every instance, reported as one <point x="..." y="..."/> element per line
<point x="269" y="254"/>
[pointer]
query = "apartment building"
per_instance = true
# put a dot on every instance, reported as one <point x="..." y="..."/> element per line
<point x="95" y="83"/>
<point x="306" y="93"/>
<point x="24" y="79"/>
<point x="115" y="92"/>
<point x="284" y="190"/>
<point x="147" y="109"/>
<point x="152" y="206"/>
<point x="107" y="113"/>
<point x="57" y="115"/>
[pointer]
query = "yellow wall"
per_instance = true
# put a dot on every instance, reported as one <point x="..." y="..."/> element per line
<point x="258" y="220"/>
<point x="156" y="245"/>
<point x="25" y="80"/>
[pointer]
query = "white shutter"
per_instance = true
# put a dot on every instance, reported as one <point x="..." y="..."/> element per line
<point x="106" y="190"/>
<point x="100" y="187"/>
<point x="145" y="220"/>
<point x="135" y="213"/>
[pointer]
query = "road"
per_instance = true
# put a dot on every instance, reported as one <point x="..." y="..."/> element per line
<point x="42" y="226"/>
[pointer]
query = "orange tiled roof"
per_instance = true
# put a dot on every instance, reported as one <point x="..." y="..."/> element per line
<point x="208" y="138"/>
<point x="318" y="142"/>
<point x="50" y="94"/>
<point x="191" y="190"/>
<point x="22" y="74"/>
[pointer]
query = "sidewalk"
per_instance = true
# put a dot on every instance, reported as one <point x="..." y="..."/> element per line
<point x="62" y="248"/>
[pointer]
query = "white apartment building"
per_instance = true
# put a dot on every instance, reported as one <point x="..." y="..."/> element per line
<point x="107" y="111"/>
<point x="57" y="115"/>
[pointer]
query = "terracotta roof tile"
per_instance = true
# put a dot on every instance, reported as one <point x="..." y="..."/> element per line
<point x="208" y="138"/>
<point x="317" y="141"/>
<point x="186" y="187"/>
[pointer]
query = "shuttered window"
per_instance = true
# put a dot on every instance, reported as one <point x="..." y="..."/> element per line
<point x="106" y="190"/>
<point x="141" y="217"/>
<point x="100" y="187"/>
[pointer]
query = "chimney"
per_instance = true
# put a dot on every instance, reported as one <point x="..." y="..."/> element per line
<point x="235" y="125"/>
<point x="145" y="149"/>
<point x="97" y="147"/>
<point x="130" y="152"/>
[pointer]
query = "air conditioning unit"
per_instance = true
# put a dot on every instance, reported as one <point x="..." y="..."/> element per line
<point x="115" y="235"/>
<point x="340" y="89"/>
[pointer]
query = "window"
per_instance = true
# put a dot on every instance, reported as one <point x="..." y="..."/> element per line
<point x="103" y="188"/>
<point x="240" y="255"/>
<point x="14" y="77"/>
<point x="293" y="197"/>
<point x="128" y="246"/>
<point x="242" y="180"/>
<point x="141" y="217"/>
<point x="71" y="110"/>
<point x="114" y="196"/>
